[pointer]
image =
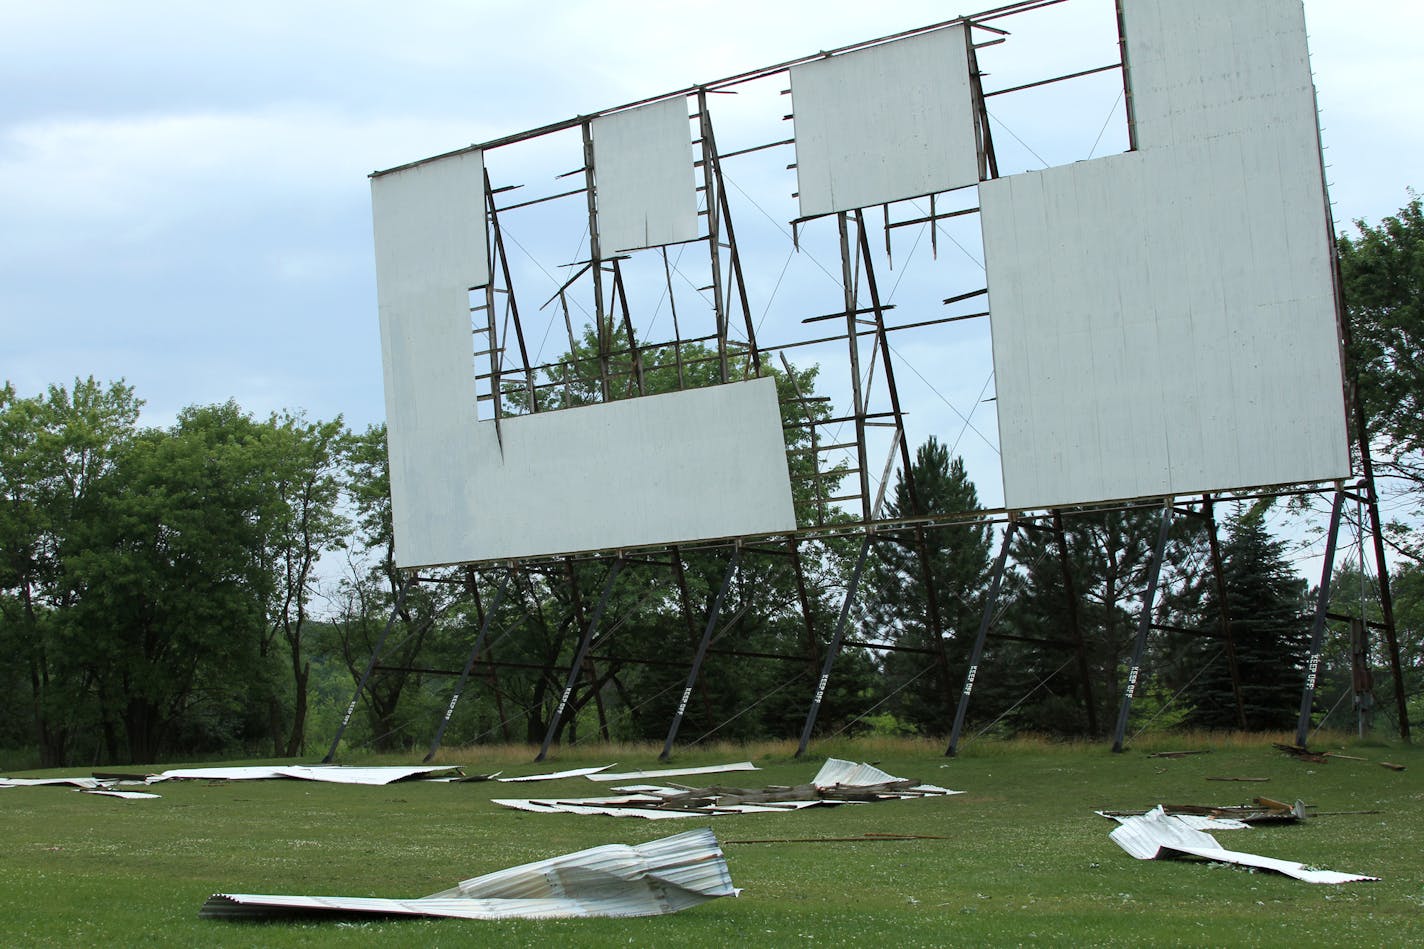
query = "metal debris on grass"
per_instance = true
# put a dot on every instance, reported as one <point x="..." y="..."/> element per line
<point x="332" y="774"/>
<point x="651" y="879"/>
<point x="1261" y="810"/>
<point x="556" y="775"/>
<point x="76" y="782"/>
<point x="1158" y="835"/>
<point x="100" y="786"/>
<point x="838" y="782"/>
<point x="673" y="772"/>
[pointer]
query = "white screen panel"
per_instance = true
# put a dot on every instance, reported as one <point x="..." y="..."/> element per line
<point x="430" y="248"/>
<point x="693" y="465"/>
<point x="883" y="124"/>
<point x="643" y="173"/>
<point x="1163" y="323"/>
<point x="1208" y="68"/>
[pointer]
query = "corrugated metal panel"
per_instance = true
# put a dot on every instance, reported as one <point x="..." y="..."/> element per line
<point x="126" y="795"/>
<point x="886" y="123"/>
<point x="556" y="775"/>
<point x="1157" y="835"/>
<point x="837" y="772"/>
<point x="662" y="876"/>
<point x="837" y="783"/>
<point x="670" y="772"/>
<point x="643" y="174"/>
<point x="78" y="782"/>
<point x="331" y="774"/>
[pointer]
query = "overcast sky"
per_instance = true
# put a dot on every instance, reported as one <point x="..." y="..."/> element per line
<point x="183" y="191"/>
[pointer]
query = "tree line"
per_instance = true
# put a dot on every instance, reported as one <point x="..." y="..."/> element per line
<point x="215" y="586"/>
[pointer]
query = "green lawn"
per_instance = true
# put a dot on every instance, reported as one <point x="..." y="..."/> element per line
<point x="1025" y="859"/>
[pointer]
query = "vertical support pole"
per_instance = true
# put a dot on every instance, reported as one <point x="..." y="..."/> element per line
<point x="991" y="599"/>
<point x="1317" y="630"/>
<point x="983" y="134"/>
<point x="1367" y="468"/>
<point x="1070" y="595"/>
<point x="710" y="186"/>
<point x="713" y="616"/>
<point x="1144" y="626"/>
<point x="370" y="667"/>
<point x="1361" y="675"/>
<point x="734" y="260"/>
<point x="577" y="666"/>
<point x="595" y="255"/>
<point x="509" y="289"/>
<point x="676" y="330"/>
<point x="794" y="545"/>
<point x="635" y="354"/>
<point x="819" y="489"/>
<point x="1127" y="82"/>
<point x="1216" y="566"/>
<point x="853" y="340"/>
<point x="835" y="644"/>
<point x="465" y="675"/>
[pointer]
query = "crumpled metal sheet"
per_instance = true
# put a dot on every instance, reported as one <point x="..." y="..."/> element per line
<point x="99" y="786"/>
<point x="556" y="775"/>
<point x="1195" y="821"/>
<point x="332" y="774"/>
<point x="837" y="772"/>
<point x="672" y="772"/>
<point x="658" y="877"/>
<point x="838" y="783"/>
<point x="1157" y="835"/>
<point x="77" y="782"/>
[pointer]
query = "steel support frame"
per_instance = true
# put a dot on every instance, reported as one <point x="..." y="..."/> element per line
<point x="576" y="667"/>
<point x="370" y="667"/>
<point x="1317" y="630"/>
<point x="1144" y="626"/>
<point x="713" y="616"/>
<point x="991" y="600"/>
<point x="489" y="614"/>
<point x="833" y="648"/>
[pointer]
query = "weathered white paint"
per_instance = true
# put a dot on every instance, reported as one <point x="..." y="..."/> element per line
<point x="694" y="465"/>
<point x="885" y="123"/>
<point x="431" y="247"/>
<point x="1210" y="68"/>
<point x="643" y="175"/>
<point x="1164" y="321"/>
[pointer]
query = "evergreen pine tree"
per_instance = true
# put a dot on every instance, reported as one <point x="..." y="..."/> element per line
<point x="1265" y="600"/>
<point x="898" y="600"/>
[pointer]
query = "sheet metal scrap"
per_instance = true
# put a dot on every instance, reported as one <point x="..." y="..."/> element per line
<point x="838" y="782"/>
<point x="672" y="772"/>
<point x="95" y="785"/>
<point x="331" y="774"/>
<point x="1157" y="835"/>
<point x="77" y="782"/>
<point x="651" y="879"/>
<point x="1262" y="810"/>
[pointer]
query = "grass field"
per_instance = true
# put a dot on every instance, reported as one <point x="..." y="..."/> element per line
<point x="1024" y="859"/>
